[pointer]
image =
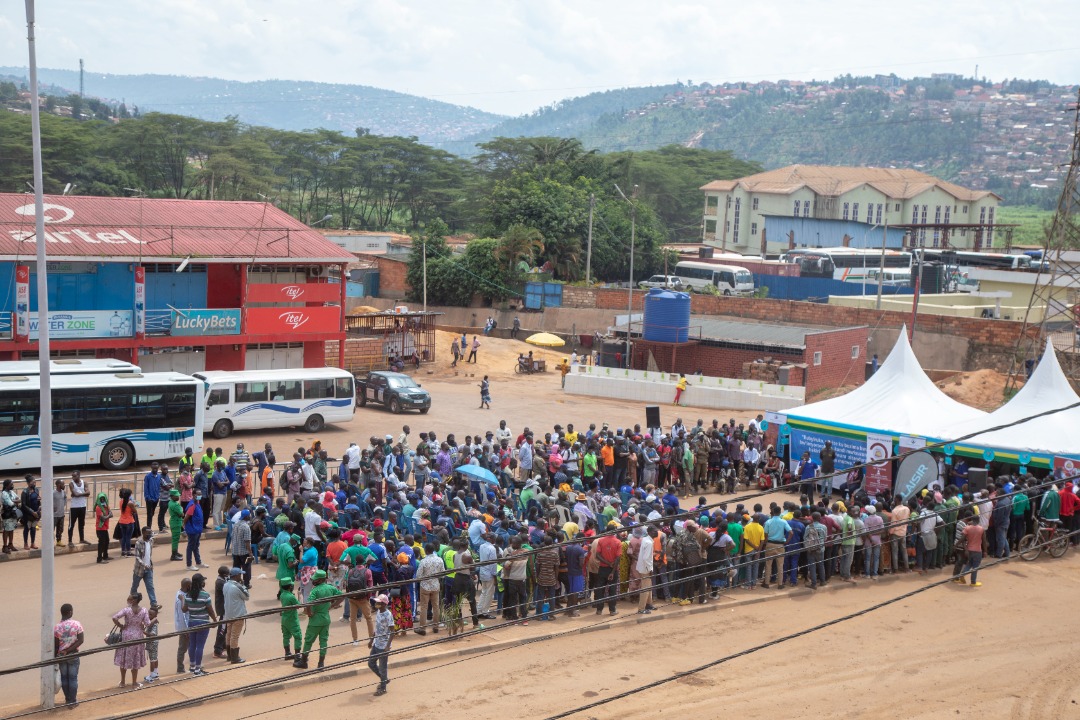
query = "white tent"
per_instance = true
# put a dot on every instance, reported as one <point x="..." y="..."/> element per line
<point x="1055" y="434"/>
<point x="898" y="399"/>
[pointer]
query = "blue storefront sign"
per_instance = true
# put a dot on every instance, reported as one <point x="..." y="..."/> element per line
<point x="205" y="322"/>
<point x="85" y="324"/>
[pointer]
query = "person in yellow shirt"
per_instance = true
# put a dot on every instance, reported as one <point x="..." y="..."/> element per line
<point x="571" y="434"/>
<point x="753" y="543"/>
<point x="679" y="387"/>
<point x="564" y="369"/>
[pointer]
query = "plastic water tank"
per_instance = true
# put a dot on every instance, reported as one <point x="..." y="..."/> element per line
<point x="667" y="316"/>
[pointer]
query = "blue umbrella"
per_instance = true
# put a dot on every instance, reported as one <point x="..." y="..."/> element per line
<point x="479" y="473"/>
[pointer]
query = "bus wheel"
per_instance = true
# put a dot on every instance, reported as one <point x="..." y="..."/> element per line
<point x="117" y="455"/>
<point x="314" y="424"/>
<point x="222" y="429"/>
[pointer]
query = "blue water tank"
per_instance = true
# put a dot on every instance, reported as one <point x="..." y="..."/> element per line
<point x="667" y="316"/>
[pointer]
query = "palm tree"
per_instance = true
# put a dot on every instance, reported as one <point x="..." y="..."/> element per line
<point x="564" y="255"/>
<point x="519" y="242"/>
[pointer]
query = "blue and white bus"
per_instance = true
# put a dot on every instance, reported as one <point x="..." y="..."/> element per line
<point x="259" y="399"/>
<point x="69" y="366"/>
<point x="114" y="420"/>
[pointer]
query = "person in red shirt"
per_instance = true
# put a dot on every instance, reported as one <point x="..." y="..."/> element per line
<point x="1070" y="511"/>
<point x="975" y="543"/>
<point x="608" y="550"/>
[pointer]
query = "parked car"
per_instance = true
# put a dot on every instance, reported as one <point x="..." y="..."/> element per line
<point x="394" y="390"/>
<point x="671" y="282"/>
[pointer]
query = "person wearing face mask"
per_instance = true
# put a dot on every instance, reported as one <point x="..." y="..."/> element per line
<point x="193" y="526"/>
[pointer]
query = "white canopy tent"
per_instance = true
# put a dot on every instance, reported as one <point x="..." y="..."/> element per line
<point x="899" y="399"/>
<point x="1054" y="434"/>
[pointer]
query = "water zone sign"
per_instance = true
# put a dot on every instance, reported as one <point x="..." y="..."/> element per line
<point x="22" y="302"/>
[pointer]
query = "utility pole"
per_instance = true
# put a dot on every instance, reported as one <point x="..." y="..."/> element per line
<point x="81" y="85"/>
<point x="881" y="266"/>
<point x="630" y="289"/>
<point x="424" y="263"/>
<point x="48" y="682"/>
<point x="588" y="252"/>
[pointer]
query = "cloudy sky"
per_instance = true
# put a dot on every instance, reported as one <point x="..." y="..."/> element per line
<point x="511" y="57"/>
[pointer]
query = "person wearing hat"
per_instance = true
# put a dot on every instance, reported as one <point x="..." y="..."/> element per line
<point x="236" y="597"/>
<point x="286" y="557"/>
<point x="380" y="642"/>
<point x="290" y="622"/>
<point x="875" y="528"/>
<point x="176" y="523"/>
<point x="318" y="617"/>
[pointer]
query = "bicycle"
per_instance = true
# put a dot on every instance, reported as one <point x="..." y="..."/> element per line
<point x="1047" y="538"/>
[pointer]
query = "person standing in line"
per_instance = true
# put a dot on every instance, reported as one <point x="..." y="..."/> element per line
<point x="975" y="542"/>
<point x="79" y="493"/>
<point x="380" y="643"/>
<point x="176" y="523"/>
<point x="828" y="468"/>
<point x="680" y="387"/>
<point x="290" y="621"/>
<point x="644" y="568"/>
<point x="219" y="608"/>
<point x="135" y="620"/>
<point x="152" y="492"/>
<point x="319" y="617"/>
<point x="427" y="572"/>
<point x="102" y="515"/>
<point x="59" y="511"/>
<point x="180" y="623"/>
<point x="144" y="565"/>
<point x="485" y="393"/>
<point x="472" y="352"/>
<point x="455" y="350"/>
<point x="898" y="533"/>
<point x="220" y="485"/>
<point x="151" y="633"/>
<point x="68" y="637"/>
<point x="814" y="538"/>
<point x="848" y="539"/>
<point x="236" y="597"/>
<point x="167" y="484"/>
<point x="126" y="521"/>
<point x="193" y="527"/>
<point x="200" y="611"/>
<point x="9" y="502"/>
<point x="485" y="575"/>
<point x="242" y="555"/>
<point x="31" y="512"/>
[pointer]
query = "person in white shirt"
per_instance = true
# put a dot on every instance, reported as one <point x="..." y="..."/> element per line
<point x="644" y="568"/>
<point x="503" y="433"/>
<point x="180" y="620"/>
<point x="352" y="462"/>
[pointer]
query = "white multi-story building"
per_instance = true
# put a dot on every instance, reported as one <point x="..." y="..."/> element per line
<point x="735" y="210"/>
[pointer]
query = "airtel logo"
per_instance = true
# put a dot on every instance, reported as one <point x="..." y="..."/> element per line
<point x="293" y="319"/>
<point x="292" y="291"/>
<point x="65" y="213"/>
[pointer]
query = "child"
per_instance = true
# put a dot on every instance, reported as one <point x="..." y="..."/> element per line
<point x="152" y="646"/>
<point x="290" y="622"/>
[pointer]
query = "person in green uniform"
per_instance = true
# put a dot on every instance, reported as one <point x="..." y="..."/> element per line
<point x="286" y="557"/>
<point x="318" y="625"/>
<point x="290" y="621"/>
<point x="176" y="523"/>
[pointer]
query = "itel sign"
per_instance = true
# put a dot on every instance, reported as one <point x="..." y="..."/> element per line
<point x="304" y="321"/>
<point x="294" y="293"/>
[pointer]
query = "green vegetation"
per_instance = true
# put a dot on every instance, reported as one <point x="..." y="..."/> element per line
<point x="1033" y="223"/>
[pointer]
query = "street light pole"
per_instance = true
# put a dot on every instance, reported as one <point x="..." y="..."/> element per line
<point x="424" y="262"/>
<point x="630" y="290"/>
<point x="881" y="266"/>
<point x="48" y="682"/>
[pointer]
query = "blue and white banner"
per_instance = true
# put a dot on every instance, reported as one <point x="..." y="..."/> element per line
<point x="205" y="322"/>
<point x="85" y="324"/>
<point x="848" y="452"/>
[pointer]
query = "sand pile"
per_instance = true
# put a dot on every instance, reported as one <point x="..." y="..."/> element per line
<point x="983" y="389"/>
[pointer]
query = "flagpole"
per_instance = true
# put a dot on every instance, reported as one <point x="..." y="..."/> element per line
<point x="48" y="681"/>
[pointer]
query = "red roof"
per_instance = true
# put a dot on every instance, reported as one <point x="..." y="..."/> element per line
<point x="137" y="229"/>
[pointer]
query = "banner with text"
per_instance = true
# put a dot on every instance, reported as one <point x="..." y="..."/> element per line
<point x="1066" y="468"/>
<point x="296" y="292"/>
<point x="205" y="322"/>
<point x="140" y="301"/>
<point x="302" y="320"/>
<point x="22" y="302"/>
<point x="848" y="452"/>
<point x="879" y="471"/>
<point x="85" y="324"/>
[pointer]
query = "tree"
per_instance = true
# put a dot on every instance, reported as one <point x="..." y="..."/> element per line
<point x="518" y="243"/>
<point x="432" y="244"/>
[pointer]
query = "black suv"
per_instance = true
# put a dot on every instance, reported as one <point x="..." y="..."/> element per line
<point x="396" y="391"/>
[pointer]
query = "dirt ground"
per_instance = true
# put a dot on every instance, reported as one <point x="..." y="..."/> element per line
<point x="983" y="389"/>
<point x="497" y="357"/>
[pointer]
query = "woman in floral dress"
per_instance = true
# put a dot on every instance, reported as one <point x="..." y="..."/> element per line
<point x="401" y="604"/>
<point x="132" y="621"/>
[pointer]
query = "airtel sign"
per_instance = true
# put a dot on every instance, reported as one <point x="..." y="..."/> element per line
<point x="55" y="214"/>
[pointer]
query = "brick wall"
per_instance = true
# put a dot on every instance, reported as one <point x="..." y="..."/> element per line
<point x="392" y="283"/>
<point x="361" y="354"/>
<point x="837" y="367"/>
<point x="999" y="333"/>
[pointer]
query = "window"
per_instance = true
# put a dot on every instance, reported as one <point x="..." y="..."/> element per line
<point x="179" y="407"/>
<point x="738" y="206"/>
<point x="965" y="209"/>
<point x="922" y="233"/>
<point x="847" y="209"/>
<point x="990" y="235"/>
<point x="729" y="201"/>
<point x="285" y="390"/>
<point x="817" y="358"/>
<point x="937" y="221"/>
<point x="754" y="204"/>
<point x="855" y="212"/>
<point x="68" y="412"/>
<point x="219" y="396"/>
<point x="806" y="208"/>
<point x="870" y="213"/>
<point x="343" y="388"/>
<point x="711" y="203"/>
<point x="19" y="413"/>
<point x="315" y="389"/>
<point x="753" y="229"/>
<point x="252" y="392"/>
<point x="897" y="208"/>
<point x="796" y="214"/>
<point x="854" y="352"/>
<point x="710" y="227"/>
<point x="879" y="208"/>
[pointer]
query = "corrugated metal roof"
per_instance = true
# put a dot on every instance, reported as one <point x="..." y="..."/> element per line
<point x="898" y="183"/>
<point x="137" y="229"/>
<point x="792" y="336"/>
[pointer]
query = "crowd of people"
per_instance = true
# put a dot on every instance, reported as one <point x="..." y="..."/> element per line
<point x="402" y="537"/>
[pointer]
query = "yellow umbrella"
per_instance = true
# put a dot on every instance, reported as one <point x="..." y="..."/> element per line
<point x="545" y="340"/>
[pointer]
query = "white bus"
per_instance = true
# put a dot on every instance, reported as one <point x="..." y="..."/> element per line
<point x="114" y="419"/>
<point x="258" y="399"/>
<point x="68" y="366"/>
<point x="965" y="259"/>
<point x="846" y="264"/>
<point x="727" y="279"/>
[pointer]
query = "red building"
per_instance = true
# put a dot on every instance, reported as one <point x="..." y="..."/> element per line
<point x="172" y="284"/>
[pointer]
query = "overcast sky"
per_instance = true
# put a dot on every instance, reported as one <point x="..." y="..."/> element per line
<point x="511" y="57"/>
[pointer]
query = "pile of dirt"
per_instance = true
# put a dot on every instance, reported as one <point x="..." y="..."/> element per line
<point x="364" y="310"/>
<point x="495" y="358"/>
<point x="982" y="389"/>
